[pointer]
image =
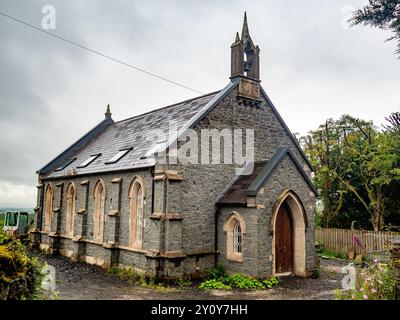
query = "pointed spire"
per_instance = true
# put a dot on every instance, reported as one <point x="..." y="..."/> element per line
<point x="237" y="39"/>
<point x="108" y="112"/>
<point x="245" y="29"/>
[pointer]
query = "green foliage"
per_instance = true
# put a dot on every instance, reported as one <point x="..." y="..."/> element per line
<point x="243" y="282"/>
<point x="271" y="282"/>
<point x="183" y="282"/>
<point x="16" y="266"/>
<point x="376" y="282"/>
<point x="129" y="274"/>
<point x="214" y="284"/>
<point x="317" y="272"/>
<point x="382" y="14"/>
<point x="218" y="279"/>
<point x="326" y="253"/>
<point x="135" y="278"/>
<point x="329" y="254"/>
<point x="357" y="171"/>
<point x="217" y="272"/>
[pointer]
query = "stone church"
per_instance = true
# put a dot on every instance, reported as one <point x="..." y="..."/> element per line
<point x="109" y="200"/>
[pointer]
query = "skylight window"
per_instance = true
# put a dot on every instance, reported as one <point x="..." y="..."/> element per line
<point x="65" y="164"/>
<point x="116" y="157"/>
<point x="89" y="160"/>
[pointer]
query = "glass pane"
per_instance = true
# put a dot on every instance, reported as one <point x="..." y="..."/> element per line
<point x="118" y="156"/>
<point x="88" y="161"/>
<point x="237" y="238"/>
<point x="12" y="219"/>
<point x="65" y="164"/>
<point x="23" y="220"/>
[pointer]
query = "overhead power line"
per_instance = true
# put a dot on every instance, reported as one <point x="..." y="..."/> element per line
<point x="99" y="53"/>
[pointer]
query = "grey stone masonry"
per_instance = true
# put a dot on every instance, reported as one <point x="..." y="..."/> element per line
<point x="183" y="227"/>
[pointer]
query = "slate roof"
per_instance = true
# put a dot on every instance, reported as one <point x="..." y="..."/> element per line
<point x="236" y="191"/>
<point x="248" y="185"/>
<point x="108" y="137"/>
<point x="131" y="133"/>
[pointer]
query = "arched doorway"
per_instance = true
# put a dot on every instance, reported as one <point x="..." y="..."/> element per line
<point x="283" y="241"/>
<point x="289" y="225"/>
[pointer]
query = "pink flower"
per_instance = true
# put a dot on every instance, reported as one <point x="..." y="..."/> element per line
<point x="361" y="289"/>
<point x="365" y="297"/>
<point x="374" y="291"/>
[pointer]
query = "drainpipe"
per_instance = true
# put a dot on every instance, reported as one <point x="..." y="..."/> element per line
<point x="41" y="208"/>
<point x="216" y="236"/>
<point x="152" y="189"/>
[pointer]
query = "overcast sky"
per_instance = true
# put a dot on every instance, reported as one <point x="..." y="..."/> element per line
<point x="312" y="66"/>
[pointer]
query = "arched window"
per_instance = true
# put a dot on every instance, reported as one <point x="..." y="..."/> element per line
<point x="136" y="197"/>
<point x="237" y="238"/>
<point x="235" y="230"/>
<point x="48" y="208"/>
<point x="69" y="225"/>
<point x="98" y="214"/>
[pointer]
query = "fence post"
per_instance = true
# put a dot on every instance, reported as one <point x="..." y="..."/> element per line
<point x="395" y="256"/>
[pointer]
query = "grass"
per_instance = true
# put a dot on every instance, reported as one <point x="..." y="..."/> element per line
<point x="331" y="254"/>
<point x="135" y="278"/>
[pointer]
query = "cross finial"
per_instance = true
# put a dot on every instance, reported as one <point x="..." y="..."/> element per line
<point x="245" y="29"/>
<point x="108" y="112"/>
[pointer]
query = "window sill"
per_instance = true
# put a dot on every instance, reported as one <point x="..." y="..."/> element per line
<point x="133" y="249"/>
<point x="235" y="257"/>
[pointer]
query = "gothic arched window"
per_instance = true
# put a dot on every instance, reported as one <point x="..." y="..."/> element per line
<point x="235" y="229"/>
<point x="98" y="214"/>
<point x="48" y="208"/>
<point x="69" y="224"/>
<point x="136" y="218"/>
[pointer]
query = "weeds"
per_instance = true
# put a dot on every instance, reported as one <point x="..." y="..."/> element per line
<point x="218" y="279"/>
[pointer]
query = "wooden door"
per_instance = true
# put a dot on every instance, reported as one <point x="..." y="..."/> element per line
<point x="283" y="241"/>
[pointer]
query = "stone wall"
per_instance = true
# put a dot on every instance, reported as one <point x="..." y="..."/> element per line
<point x="116" y="219"/>
<point x="285" y="177"/>
<point x="179" y="231"/>
<point x="251" y="217"/>
<point x="196" y="195"/>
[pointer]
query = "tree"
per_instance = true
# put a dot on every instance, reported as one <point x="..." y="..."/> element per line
<point x="372" y="158"/>
<point x="357" y="168"/>
<point x="383" y="14"/>
<point x="323" y="147"/>
<point x="394" y="123"/>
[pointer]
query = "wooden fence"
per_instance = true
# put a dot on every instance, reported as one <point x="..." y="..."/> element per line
<point x="341" y="240"/>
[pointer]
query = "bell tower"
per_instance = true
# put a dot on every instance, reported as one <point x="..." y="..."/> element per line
<point x="245" y="64"/>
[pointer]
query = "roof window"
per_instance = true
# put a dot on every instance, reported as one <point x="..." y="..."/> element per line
<point x="65" y="164"/>
<point x="89" y="160"/>
<point x="116" y="157"/>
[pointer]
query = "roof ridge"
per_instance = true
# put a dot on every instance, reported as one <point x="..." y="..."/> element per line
<point x="166" y="107"/>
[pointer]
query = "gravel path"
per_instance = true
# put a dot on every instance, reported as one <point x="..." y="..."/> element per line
<point x="80" y="281"/>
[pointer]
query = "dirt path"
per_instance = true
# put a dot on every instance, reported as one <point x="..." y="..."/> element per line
<point x="79" y="281"/>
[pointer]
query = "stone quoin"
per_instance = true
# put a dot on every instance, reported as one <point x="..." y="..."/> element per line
<point x="108" y="200"/>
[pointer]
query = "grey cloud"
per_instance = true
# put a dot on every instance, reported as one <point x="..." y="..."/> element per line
<point x="51" y="93"/>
